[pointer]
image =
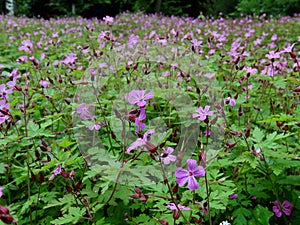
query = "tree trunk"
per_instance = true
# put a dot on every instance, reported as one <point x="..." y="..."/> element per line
<point x="158" y="6"/>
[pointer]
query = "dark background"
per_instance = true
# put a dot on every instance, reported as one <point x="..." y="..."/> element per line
<point x="192" y="8"/>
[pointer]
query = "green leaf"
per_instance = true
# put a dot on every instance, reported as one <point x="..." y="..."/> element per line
<point x="262" y="215"/>
<point x="74" y="215"/>
<point x="292" y="179"/>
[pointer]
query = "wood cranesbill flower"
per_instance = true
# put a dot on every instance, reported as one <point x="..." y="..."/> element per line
<point x="138" y="97"/>
<point x="183" y="175"/>
<point x="286" y="208"/>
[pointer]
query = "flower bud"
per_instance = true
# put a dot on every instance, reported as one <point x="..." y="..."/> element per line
<point x="6" y="218"/>
<point x="3" y="210"/>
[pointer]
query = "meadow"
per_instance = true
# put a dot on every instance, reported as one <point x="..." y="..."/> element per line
<point x="148" y="119"/>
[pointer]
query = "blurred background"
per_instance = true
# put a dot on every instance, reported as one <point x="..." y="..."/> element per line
<point x="192" y="8"/>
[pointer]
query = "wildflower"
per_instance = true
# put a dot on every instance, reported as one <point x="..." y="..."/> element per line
<point x="203" y="113"/>
<point x="44" y="84"/>
<point x="70" y="59"/>
<point x="173" y="207"/>
<point x="84" y="111"/>
<point x="95" y="126"/>
<point x="140" y="125"/>
<point x="138" y="97"/>
<point x="1" y="189"/>
<point x="273" y="55"/>
<point x="56" y="172"/>
<point x="233" y="196"/>
<point x="26" y="46"/>
<point x="230" y="101"/>
<point x="286" y="207"/>
<point x="140" y="141"/>
<point x="183" y="176"/>
<point x="167" y="157"/>
<point x="108" y="20"/>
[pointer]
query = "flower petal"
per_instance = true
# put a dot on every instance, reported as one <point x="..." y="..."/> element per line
<point x="137" y="143"/>
<point x="193" y="183"/>
<point x="199" y="171"/>
<point x="191" y="164"/>
<point x="182" y="176"/>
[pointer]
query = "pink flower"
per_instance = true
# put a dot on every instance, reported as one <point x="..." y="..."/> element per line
<point x="1" y="189"/>
<point x="138" y="120"/>
<point x="95" y="126"/>
<point x="108" y="19"/>
<point x="203" y="113"/>
<point x="44" y="84"/>
<point x="138" y="97"/>
<point x="84" y="111"/>
<point x="140" y="141"/>
<point x="286" y="207"/>
<point x="233" y="196"/>
<point x="183" y="176"/>
<point x="26" y="46"/>
<point x="230" y="101"/>
<point x="56" y="172"/>
<point x="173" y="207"/>
<point x="167" y="157"/>
<point x="70" y="59"/>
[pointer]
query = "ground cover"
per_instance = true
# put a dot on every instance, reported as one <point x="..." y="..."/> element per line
<point x="149" y="119"/>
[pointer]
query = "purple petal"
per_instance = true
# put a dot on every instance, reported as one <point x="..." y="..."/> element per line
<point x="199" y="171"/>
<point x="148" y="132"/>
<point x="191" y="164"/>
<point x="182" y="176"/>
<point x="169" y="158"/>
<point x="148" y="96"/>
<point x="277" y="211"/>
<point x="139" y="142"/>
<point x="287" y="207"/>
<point x="142" y="114"/>
<point x="193" y="183"/>
<point x="170" y="150"/>
<point x="141" y="103"/>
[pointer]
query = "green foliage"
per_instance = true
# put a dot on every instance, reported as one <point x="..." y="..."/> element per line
<point x="270" y="7"/>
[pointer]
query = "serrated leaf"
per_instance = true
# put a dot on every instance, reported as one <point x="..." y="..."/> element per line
<point x="262" y="215"/>
<point x="72" y="217"/>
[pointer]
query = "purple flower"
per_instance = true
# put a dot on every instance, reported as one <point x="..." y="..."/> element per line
<point x="26" y="46"/>
<point x="84" y="111"/>
<point x="108" y="19"/>
<point x="230" y="101"/>
<point x="233" y="196"/>
<point x="56" y="172"/>
<point x="273" y="55"/>
<point x="44" y="84"/>
<point x="285" y="207"/>
<point x="140" y="141"/>
<point x="140" y="125"/>
<point x="183" y="176"/>
<point x="167" y="157"/>
<point x="95" y="126"/>
<point x="70" y="58"/>
<point x="202" y="113"/>
<point x="173" y="207"/>
<point x="138" y="97"/>
<point x="1" y="189"/>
